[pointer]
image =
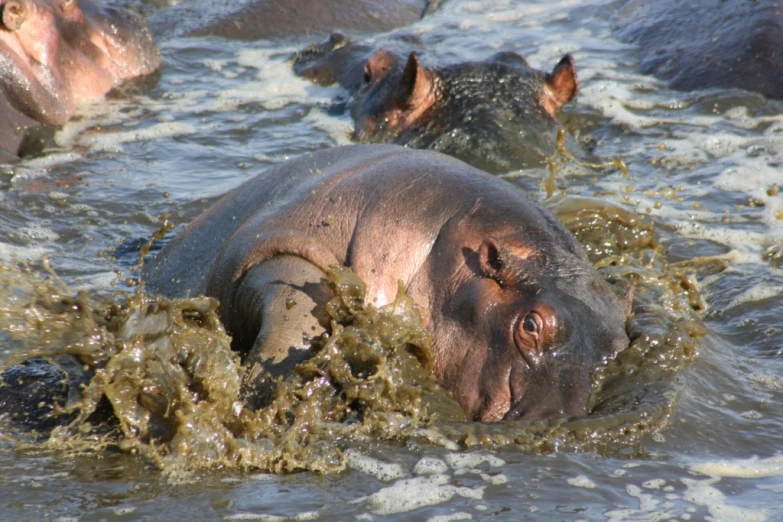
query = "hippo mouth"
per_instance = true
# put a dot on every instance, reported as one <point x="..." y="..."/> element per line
<point x="523" y="410"/>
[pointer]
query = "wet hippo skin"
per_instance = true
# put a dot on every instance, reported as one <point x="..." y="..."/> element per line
<point x="497" y="114"/>
<point x="698" y="44"/>
<point x="56" y="54"/>
<point x="261" y="19"/>
<point x="519" y="318"/>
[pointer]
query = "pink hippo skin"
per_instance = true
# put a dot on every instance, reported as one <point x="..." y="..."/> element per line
<point x="56" y="54"/>
<point x="519" y="319"/>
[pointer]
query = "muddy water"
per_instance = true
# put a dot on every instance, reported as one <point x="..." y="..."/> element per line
<point x="703" y="171"/>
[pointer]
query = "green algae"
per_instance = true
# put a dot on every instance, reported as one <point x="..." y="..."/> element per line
<point x="162" y="381"/>
<point x="562" y="156"/>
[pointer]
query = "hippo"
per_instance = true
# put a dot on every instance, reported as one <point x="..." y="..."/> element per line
<point x="707" y="43"/>
<point x="497" y="114"/>
<point x="56" y="54"/>
<point x="34" y="393"/>
<point x="265" y="19"/>
<point x="519" y="319"/>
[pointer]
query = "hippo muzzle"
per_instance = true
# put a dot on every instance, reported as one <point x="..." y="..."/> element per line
<point x="561" y="383"/>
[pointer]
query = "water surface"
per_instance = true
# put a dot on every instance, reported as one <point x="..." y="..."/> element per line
<point x="704" y="167"/>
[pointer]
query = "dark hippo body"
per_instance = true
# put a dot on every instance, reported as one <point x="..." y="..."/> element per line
<point x="256" y="19"/>
<point x="519" y="318"/>
<point x="698" y="44"/>
<point x="497" y="115"/>
<point x="56" y="54"/>
<point x="34" y="393"/>
<point x="15" y="130"/>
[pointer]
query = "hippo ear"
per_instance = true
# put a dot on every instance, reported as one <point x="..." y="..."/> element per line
<point x="416" y="84"/>
<point x="494" y="260"/>
<point x="14" y="15"/>
<point x="561" y="85"/>
<point x="378" y="66"/>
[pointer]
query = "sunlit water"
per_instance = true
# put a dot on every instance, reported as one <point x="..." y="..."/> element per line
<point x="703" y="167"/>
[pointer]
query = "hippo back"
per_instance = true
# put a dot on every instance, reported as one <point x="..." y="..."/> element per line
<point x="183" y="266"/>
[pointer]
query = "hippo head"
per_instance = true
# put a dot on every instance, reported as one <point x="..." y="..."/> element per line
<point x="400" y="96"/>
<point x="525" y="330"/>
<point x="394" y="95"/>
<point x="120" y="38"/>
<point x="65" y="52"/>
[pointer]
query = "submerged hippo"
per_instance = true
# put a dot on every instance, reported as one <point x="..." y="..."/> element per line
<point x="697" y="44"/>
<point x="497" y="114"/>
<point x="56" y="54"/>
<point x="519" y="319"/>
<point x="256" y="19"/>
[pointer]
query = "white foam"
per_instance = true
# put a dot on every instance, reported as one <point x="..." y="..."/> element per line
<point x="746" y="244"/>
<point x="702" y="493"/>
<point x="430" y="466"/>
<point x="647" y="512"/>
<point x="581" y="481"/>
<point x="409" y="494"/>
<point x="338" y="129"/>
<point x="741" y="468"/>
<point x="112" y="141"/>
<point x="459" y="461"/>
<point x="381" y="470"/>
<point x="755" y="294"/>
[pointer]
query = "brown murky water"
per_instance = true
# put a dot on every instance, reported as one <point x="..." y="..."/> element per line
<point x="684" y="423"/>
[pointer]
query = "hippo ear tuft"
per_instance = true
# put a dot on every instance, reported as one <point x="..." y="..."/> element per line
<point x="13" y="15"/>
<point x="561" y="85"/>
<point x="415" y="84"/>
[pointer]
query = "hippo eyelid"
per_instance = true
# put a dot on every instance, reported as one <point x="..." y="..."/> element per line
<point x="532" y="325"/>
<point x="528" y="337"/>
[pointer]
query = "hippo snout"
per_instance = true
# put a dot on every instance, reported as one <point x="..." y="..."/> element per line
<point x="542" y="400"/>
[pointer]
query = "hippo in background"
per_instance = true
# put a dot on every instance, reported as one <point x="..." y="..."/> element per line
<point x="265" y="19"/>
<point x="700" y="44"/>
<point x="56" y="54"/>
<point x="497" y="115"/>
<point x="519" y="319"/>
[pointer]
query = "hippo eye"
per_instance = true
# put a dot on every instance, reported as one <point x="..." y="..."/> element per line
<point x="533" y="324"/>
<point x="528" y="337"/>
<point x="367" y="74"/>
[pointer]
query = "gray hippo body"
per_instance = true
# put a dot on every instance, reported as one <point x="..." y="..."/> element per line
<point x="257" y="19"/>
<point x="698" y="44"/>
<point x="519" y="318"/>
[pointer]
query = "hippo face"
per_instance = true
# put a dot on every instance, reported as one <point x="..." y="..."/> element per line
<point x="392" y="98"/>
<point x="122" y="37"/>
<point x="525" y="332"/>
<point x="400" y="99"/>
<point x="60" y="53"/>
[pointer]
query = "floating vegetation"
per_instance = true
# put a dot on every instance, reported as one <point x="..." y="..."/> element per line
<point x="157" y="377"/>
